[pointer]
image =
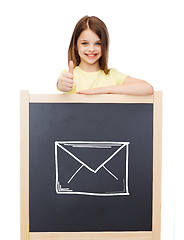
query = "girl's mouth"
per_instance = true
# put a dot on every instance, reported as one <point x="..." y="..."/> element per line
<point x="91" y="55"/>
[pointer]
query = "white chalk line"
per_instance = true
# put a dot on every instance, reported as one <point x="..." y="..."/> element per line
<point x="110" y="172"/>
<point x="96" y="194"/>
<point x="75" y="174"/>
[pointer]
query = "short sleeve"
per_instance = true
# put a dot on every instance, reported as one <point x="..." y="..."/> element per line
<point x="118" y="77"/>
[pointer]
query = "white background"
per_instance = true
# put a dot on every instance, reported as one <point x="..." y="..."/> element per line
<point x="146" y="42"/>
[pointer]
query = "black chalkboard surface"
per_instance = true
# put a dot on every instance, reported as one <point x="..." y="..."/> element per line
<point x="90" y="167"/>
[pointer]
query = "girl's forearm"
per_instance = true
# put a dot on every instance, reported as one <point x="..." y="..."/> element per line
<point x="135" y="88"/>
<point x="132" y="89"/>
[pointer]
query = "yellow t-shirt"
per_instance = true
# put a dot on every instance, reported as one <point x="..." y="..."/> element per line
<point x="87" y="80"/>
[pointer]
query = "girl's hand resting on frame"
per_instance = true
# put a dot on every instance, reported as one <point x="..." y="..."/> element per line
<point x="131" y="86"/>
<point x="65" y="82"/>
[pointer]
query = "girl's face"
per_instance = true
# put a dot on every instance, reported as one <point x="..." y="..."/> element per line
<point x="89" y="50"/>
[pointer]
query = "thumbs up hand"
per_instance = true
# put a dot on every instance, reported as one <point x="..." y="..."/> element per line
<point x="65" y="81"/>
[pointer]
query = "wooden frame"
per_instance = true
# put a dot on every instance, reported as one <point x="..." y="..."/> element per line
<point x="25" y="99"/>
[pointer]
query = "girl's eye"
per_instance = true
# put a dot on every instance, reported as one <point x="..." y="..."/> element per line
<point x="98" y="43"/>
<point x="84" y="43"/>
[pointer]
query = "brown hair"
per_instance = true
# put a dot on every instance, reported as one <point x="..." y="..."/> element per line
<point x="96" y="25"/>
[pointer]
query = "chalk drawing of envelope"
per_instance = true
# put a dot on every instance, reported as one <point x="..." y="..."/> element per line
<point x="91" y="168"/>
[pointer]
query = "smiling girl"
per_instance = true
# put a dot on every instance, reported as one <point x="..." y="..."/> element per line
<point x="88" y="64"/>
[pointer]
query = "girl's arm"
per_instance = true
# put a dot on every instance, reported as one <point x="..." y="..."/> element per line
<point x="131" y="86"/>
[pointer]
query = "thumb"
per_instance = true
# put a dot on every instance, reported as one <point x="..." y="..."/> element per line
<point x="70" y="66"/>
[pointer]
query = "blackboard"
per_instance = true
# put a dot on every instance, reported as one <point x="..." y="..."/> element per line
<point x="90" y="166"/>
<point x="70" y="141"/>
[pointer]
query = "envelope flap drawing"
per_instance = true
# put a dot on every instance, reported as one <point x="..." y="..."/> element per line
<point x="92" y="159"/>
<point x="97" y="155"/>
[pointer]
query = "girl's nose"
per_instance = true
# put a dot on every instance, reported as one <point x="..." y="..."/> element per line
<point x="91" y="47"/>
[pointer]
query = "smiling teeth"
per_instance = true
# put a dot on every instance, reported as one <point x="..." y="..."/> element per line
<point x="90" y="55"/>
